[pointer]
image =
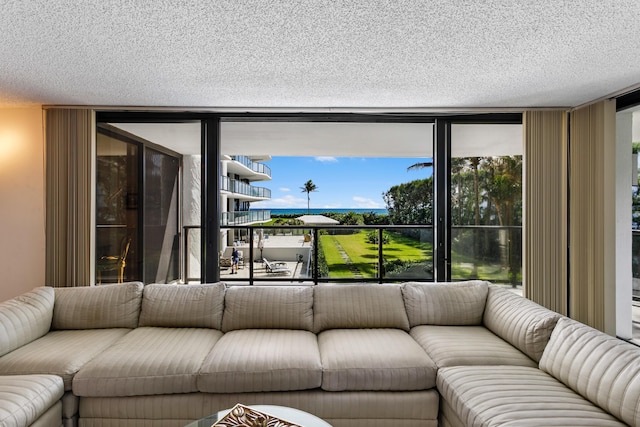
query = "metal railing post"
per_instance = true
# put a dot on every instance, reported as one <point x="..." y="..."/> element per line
<point x="380" y="255"/>
<point x="315" y="256"/>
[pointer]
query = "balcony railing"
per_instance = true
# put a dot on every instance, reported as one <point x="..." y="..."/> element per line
<point x="317" y="254"/>
<point x="245" y="217"/>
<point x="239" y="187"/>
<point x="254" y="166"/>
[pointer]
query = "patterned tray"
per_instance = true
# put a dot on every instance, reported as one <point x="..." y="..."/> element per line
<point x="244" y="416"/>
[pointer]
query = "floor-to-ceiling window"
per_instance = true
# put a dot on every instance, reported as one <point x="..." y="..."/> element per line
<point x="486" y="202"/>
<point x="201" y="181"/>
<point x="367" y="217"/>
<point x="627" y="230"/>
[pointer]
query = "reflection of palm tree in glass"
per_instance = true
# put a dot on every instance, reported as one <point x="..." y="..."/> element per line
<point x="309" y="187"/>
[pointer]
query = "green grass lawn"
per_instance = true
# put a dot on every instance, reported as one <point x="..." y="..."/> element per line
<point x="463" y="270"/>
<point x="364" y="255"/>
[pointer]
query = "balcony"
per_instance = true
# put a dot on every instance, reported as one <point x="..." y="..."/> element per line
<point x="244" y="217"/>
<point x="256" y="167"/>
<point x="242" y="188"/>
<point x="352" y="254"/>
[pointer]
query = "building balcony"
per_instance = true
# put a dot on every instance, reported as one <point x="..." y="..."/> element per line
<point x="245" y="167"/>
<point x="242" y="188"/>
<point x="245" y="217"/>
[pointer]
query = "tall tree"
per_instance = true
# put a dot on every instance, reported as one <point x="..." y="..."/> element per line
<point x="411" y="202"/>
<point x="308" y="188"/>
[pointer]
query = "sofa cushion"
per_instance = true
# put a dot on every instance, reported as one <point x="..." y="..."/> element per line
<point x="182" y="306"/>
<point x="519" y="321"/>
<point x="359" y="306"/>
<point x="601" y="368"/>
<point x="374" y="359"/>
<point x="255" y="360"/>
<point x="25" y="318"/>
<point x="450" y="304"/>
<point x="268" y="307"/>
<point x="24" y="398"/>
<point x="467" y="345"/>
<point x="60" y="353"/>
<point x="148" y="361"/>
<point x="97" y="307"/>
<point x="515" y="396"/>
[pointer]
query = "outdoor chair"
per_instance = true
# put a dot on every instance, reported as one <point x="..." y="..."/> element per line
<point x="276" y="267"/>
<point x="114" y="262"/>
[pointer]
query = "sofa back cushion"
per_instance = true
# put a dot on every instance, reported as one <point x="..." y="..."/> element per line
<point x="97" y="307"/>
<point x="445" y="304"/>
<point x="601" y="368"/>
<point x="25" y="318"/>
<point x="359" y="306"/>
<point x="268" y="307"/>
<point x="183" y="306"/>
<point x="519" y="321"/>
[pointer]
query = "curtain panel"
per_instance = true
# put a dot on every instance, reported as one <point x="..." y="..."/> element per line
<point x="545" y="208"/>
<point x="69" y="136"/>
<point x="592" y="215"/>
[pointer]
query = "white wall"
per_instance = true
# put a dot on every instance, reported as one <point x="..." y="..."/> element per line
<point x="22" y="200"/>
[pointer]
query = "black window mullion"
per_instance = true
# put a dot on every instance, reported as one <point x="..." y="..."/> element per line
<point x="442" y="203"/>
<point x="210" y="200"/>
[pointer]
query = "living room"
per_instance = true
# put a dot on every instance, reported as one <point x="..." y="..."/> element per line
<point x="566" y="73"/>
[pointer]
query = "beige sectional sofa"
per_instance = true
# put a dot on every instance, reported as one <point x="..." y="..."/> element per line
<point x="355" y="355"/>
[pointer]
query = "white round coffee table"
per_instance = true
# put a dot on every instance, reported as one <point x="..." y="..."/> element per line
<point x="292" y="415"/>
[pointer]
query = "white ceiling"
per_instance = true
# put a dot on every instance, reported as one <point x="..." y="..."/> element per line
<point x="317" y="54"/>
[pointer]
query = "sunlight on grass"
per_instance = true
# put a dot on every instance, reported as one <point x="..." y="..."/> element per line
<point x="364" y="255"/>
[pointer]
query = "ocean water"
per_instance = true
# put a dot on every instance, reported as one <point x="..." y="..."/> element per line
<point x="303" y="211"/>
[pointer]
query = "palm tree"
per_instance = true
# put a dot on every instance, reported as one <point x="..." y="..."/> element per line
<point x="421" y="165"/>
<point x="308" y="187"/>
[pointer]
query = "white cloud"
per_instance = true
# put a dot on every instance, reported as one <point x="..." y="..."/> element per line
<point x="326" y="159"/>
<point x="284" y="189"/>
<point x="334" y="206"/>
<point x="364" y="203"/>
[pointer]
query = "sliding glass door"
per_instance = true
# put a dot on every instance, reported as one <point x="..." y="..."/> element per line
<point x="143" y="213"/>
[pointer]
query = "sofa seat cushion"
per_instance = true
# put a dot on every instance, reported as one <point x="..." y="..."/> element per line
<point x="252" y="360"/>
<point x="25" y="398"/>
<point x="467" y="345"/>
<point x="516" y="396"/>
<point x="374" y="359"/>
<point x="148" y="361"/>
<point x="60" y="353"/>
<point x="602" y="368"/>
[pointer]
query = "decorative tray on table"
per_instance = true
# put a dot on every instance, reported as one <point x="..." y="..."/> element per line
<point x="244" y="416"/>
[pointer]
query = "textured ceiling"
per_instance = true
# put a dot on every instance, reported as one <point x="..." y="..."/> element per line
<point x="306" y="54"/>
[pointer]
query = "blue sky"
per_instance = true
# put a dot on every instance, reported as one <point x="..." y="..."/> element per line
<point x="343" y="182"/>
